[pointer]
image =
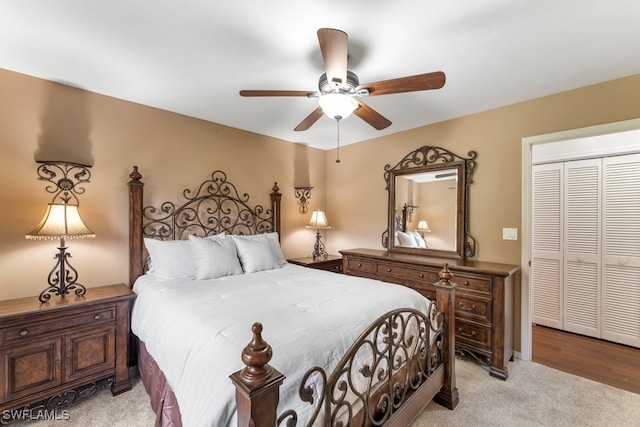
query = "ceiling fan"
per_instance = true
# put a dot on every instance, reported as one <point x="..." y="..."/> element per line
<point x="339" y="89"/>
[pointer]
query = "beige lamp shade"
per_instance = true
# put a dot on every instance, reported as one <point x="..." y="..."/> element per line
<point x="318" y="220"/>
<point x="61" y="221"/>
<point x="423" y="226"/>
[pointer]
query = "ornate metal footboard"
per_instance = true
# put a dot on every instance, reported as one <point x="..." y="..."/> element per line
<point x="397" y="365"/>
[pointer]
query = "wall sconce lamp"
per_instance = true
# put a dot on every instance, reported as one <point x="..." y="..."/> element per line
<point x="303" y="194"/>
<point x="62" y="221"/>
<point x="318" y="221"/>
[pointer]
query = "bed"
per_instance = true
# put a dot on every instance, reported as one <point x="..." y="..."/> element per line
<point x="219" y="306"/>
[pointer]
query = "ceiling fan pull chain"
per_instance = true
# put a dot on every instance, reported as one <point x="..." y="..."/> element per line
<point x="338" y="140"/>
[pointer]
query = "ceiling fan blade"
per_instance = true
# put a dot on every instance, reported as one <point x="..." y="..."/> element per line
<point x="277" y="93"/>
<point x="333" y="45"/>
<point x="310" y="119"/>
<point x="371" y="116"/>
<point x="415" y="83"/>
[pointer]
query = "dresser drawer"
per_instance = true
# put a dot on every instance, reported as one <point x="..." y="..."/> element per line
<point x="35" y="329"/>
<point x="472" y="283"/>
<point x="473" y="335"/>
<point x="407" y="273"/>
<point x="361" y="265"/>
<point x="473" y="307"/>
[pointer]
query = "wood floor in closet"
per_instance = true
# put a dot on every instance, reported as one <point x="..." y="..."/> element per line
<point x="602" y="361"/>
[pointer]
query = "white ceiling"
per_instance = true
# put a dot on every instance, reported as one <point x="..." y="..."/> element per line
<point x="193" y="56"/>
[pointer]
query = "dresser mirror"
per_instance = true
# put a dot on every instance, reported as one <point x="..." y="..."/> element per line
<point x="428" y="204"/>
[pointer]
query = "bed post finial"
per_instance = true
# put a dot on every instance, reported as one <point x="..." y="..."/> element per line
<point x="135" y="175"/>
<point x="258" y="384"/>
<point x="256" y="356"/>
<point x="446" y="297"/>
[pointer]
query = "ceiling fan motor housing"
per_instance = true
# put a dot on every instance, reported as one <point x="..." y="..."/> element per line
<point x="326" y="87"/>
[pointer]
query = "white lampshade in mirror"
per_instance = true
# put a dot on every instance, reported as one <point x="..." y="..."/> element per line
<point x="423" y="226"/>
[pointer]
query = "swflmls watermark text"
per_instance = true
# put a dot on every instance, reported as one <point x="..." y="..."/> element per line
<point x="35" y="415"/>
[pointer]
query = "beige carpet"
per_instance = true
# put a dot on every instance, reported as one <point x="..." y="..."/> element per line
<point x="534" y="395"/>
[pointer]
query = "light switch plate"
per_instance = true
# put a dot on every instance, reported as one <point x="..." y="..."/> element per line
<point x="509" y="234"/>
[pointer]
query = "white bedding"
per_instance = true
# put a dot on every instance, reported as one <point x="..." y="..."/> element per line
<point x="196" y="329"/>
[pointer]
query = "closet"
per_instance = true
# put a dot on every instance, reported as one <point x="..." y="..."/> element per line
<point x="585" y="246"/>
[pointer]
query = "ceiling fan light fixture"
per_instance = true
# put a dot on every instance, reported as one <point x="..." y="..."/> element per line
<point x="337" y="105"/>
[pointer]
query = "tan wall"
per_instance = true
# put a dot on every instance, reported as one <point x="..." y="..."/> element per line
<point x="357" y="200"/>
<point x="40" y="119"/>
<point x="48" y="121"/>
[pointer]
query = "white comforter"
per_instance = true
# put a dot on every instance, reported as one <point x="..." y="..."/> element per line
<point x="196" y="330"/>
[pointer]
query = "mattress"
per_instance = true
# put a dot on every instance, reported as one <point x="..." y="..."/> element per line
<point x="196" y="330"/>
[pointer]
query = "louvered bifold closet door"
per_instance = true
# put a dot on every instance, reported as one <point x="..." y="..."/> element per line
<point x="582" y="257"/>
<point x="621" y="282"/>
<point x="546" y="245"/>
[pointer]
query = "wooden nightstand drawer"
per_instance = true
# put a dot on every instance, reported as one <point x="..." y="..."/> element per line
<point x="30" y="329"/>
<point x="331" y="263"/>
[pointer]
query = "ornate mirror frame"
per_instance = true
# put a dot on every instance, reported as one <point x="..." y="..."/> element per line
<point x="428" y="159"/>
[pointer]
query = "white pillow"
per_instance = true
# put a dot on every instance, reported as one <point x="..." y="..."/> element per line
<point x="421" y="243"/>
<point x="274" y="243"/>
<point x="256" y="253"/>
<point x="406" y="239"/>
<point x="170" y="259"/>
<point x="214" y="258"/>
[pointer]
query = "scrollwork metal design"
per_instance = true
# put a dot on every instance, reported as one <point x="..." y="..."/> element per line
<point x="214" y="207"/>
<point x="427" y="155"/>
<point x="65" y="180"/>
<point x="381" y="370"/>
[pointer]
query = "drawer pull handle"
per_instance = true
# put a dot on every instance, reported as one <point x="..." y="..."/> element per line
<point x="359" y="265"/>
<point x="466" y="334"/>
<point x="97" y="317"/>
<point x="388" y="270"/>
<point x="466" y="283"/>
<point x="462" y="307"/>
<point x="421" y="275"/>
<point x="24" y="333"/>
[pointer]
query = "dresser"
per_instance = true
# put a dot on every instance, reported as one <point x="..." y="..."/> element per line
<point x="60" y="351"/>
<point x="483" y="298"/>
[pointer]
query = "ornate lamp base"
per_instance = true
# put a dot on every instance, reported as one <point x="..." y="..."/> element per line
<point x="318" y="248"/>
<point x="62" y="277"/>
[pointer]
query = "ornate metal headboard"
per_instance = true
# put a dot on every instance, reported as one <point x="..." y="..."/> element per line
<point x="214" y="207"/>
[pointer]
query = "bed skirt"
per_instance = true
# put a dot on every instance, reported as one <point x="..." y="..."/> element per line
<point x="163" y="400"/>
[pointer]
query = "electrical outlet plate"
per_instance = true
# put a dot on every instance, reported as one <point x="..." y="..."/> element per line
<point x="509" y="234"/>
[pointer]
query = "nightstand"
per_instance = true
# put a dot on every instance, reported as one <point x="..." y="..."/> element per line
<point x="56" y="353"/>
<point x="330" y="263"/>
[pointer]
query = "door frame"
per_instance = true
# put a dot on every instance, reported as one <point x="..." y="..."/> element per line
<point x="527" y="145"/>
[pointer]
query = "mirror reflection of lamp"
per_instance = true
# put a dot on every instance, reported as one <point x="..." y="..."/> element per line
<point x="318" y="221"/>
<point x="423" y="227"/>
